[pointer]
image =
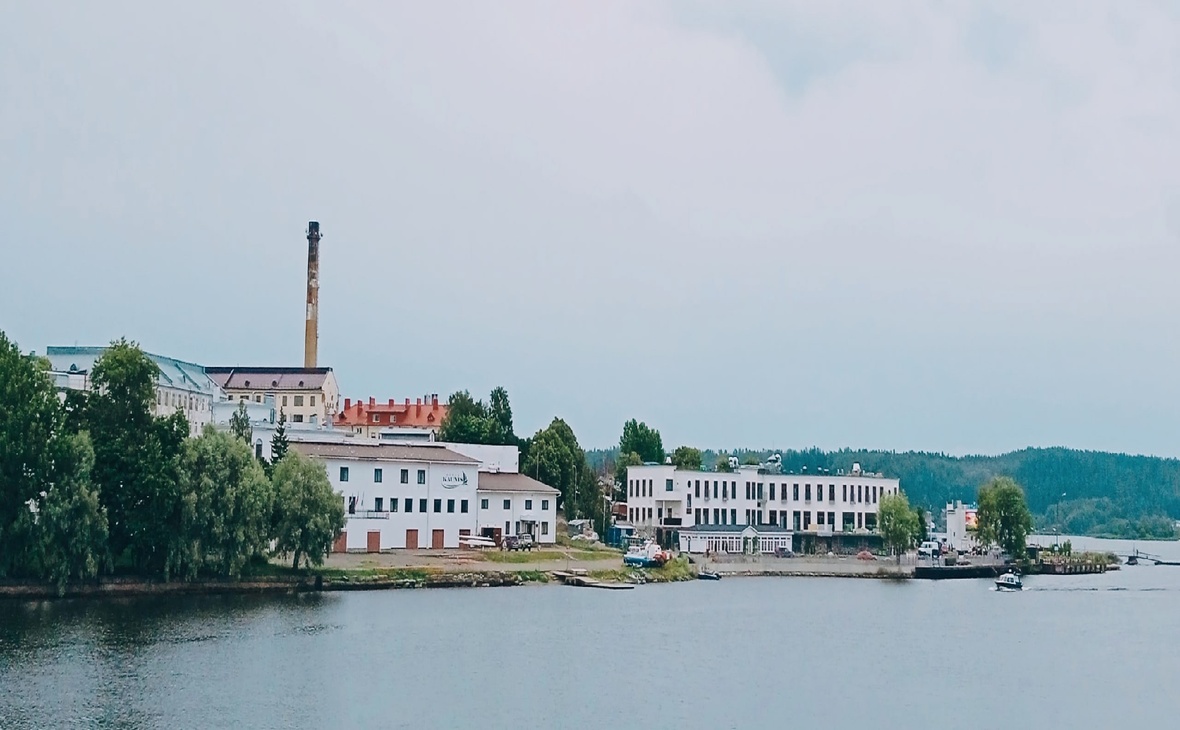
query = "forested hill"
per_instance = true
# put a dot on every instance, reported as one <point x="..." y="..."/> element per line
<point x="1105" y="493"/>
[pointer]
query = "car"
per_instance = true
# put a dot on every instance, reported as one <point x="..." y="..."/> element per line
<point x="518" y="542"/>
<point x="929" y="549"/>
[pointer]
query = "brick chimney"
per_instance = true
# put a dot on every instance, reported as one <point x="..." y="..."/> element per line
<point x="418" y="406"/>
<point x="347" y="403"/>
<point x="434" y="402"/>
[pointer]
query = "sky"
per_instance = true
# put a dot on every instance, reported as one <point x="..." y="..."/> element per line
<point x="936" y="226"/>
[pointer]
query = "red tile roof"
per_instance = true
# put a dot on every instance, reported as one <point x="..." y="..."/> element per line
<point x="392" y="413"/>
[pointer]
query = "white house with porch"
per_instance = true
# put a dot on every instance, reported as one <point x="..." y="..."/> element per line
<point x="735" y="539"/>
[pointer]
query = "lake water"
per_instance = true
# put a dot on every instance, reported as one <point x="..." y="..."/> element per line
<point x="1069" y="652"/>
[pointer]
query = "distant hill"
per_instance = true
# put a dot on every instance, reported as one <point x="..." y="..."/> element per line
<point x="1107" y="494"/>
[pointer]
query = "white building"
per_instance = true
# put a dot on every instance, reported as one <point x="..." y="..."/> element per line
<point x="960" y="525"/>
<point x="425" y="495"/>
<point x="180" y="385"/>
<point x="661" y="495"/>
<point x="735" y="539"/>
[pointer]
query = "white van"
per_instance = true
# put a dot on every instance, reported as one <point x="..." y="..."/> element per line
<point x="928" y="549"/>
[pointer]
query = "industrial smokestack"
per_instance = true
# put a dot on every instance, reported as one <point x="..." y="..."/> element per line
<point x="311" y="337"/>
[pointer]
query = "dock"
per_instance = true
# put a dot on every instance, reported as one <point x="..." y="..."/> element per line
<point x="581" y="579"/>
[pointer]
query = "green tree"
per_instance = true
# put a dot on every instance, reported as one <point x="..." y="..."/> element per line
<point x="136" y="458"/>
<point x="625" y="460"/>
<point x="31" y="421"/>
<point x="721" y="464"/>
<point x="640" y="439"/>
<point x="1003" y="518"/>
<point x="227" y="503"/>
<point x="556" y="459"/>
<point x="71" y="523"/>
<point x="897" y="523"/>
<point x="500" y="413"/>
<point x="239" y="424"/>
<point x="310" y="514"/>
<point x="469" y="421"/>
<point x="686" y="457"/>
<point x="923" y="533"/>
<point x="279" y="445"/>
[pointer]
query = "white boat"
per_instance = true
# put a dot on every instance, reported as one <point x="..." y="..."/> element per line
<point x="1009" y="581"/>
<point x="472" y="541"/>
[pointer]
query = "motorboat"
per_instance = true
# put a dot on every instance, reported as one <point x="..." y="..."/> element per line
<point x="1009" y="581"/>
<point x="708" y="575"/>
<point x="645" y="555"/>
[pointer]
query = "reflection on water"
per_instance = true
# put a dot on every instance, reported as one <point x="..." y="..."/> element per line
<point x="1068" y="651"/>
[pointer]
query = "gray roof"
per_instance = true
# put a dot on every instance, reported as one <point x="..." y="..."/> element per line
<point x="173" y="373"/>
<point x="511" y="482"/>
<point x="382" y="452"/>
<point x="264" y="378"/>
<point x="761" y="529"/>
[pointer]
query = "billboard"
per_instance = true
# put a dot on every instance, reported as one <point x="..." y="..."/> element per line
<point x="971" y="518"/>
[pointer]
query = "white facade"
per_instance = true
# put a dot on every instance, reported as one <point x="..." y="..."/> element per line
<point x="960" y="526"/>
<point x="735" y="539"/>
<point x="664" y="496"/>
<point x="491" y="458"/>
<point x="422" y="495"/>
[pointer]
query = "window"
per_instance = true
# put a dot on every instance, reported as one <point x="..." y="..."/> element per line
<point x="668" y="485"/>
<point x="544" y="528"/>
<point x="284" y="400"/>
<point x="313" y="400"/>
<point x="376" y="418"/>
<point x="714" y="490"/>
<point x="258" y="450"/>
<point x="421" y="505"/>
<point x="544" y="505"/>
<point x="697" y="492"/>
<point x="831" y="492"/>
<point x="421" y="476"/>
<point x="819" y="518"/>
<point x="393" y="504"/>
<point x="409" y="505"/>
<point x="807" y="492"/>
<point x="344" y="473"/>
<point x="844" y="498"/>
<point x="463" y="506"/>
<point x="450" y="506"/>
<point x="483" y="504"/>
<point x="528" y="504"/>
<point x="257" y="398"/>
<point x="733" y="517"/>
<point x="297" y="418"/>
<point x="772" y="496"/>
<point x="760" y="492"/>
<point x="378" y="504"/>
<point x="437" y="506"/>
<point x="795" y="493"/>
<point x="508" y="504"/>
<point x="298" y="400"/>
<point x="377" y="476"/>
<point x="507" y="527"/>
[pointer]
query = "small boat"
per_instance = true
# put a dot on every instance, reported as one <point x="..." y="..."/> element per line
<point x="1132" y="560"/>
<point x="1009" y="581"/>
<point x="708" y="575"/>
<point x="645" y="554"/>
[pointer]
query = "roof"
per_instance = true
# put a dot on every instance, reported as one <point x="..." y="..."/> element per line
<point x="761" y="529"/>
<point x="512" y="482"/>
<point x="174" y="373"/>
<point x="264" y="378"/>
<point x="382" y="452"/>
<point x="391" y="413"/>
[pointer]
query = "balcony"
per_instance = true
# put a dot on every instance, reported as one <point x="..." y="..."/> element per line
<point x="367" y="514"/>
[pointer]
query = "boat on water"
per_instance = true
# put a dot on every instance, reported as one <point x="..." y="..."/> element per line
<point x="1009" y="581"/>
<point x="708" y="575"/>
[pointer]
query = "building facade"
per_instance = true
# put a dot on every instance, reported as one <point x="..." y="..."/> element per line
<point x="372" y="419"/>
<point x="304" y="395"/>
<point x="426" y="495"/>
<point x="180" y="385"/>
<point x="664" y="496"/>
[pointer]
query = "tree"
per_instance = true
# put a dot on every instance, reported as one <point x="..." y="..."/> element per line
<point x="923" y="533"/>
<point x="640" y="439"/>
<point x="30" y="422"/>
<point x="136" y="458"/>
<point x="897" y="523"/>
<point x="686" y="457"/>
<point x="625" y="460"/>
<point x="556" y="459"/>
<point x="500" y="413"/>
<point x="310" y="514"/>
<point x="239" y="424"/>
<point x="227" y="502"/>
<point x="278" y="442"/>
<point x="469" y="421"/>
<point x="71" y="522"/>
<point x="1003" y="518"/>
<point x="722" y="463"/>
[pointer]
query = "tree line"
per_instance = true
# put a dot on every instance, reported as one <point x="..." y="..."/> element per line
<point x="96" y="483"/>
<point x="1069" y="490"/>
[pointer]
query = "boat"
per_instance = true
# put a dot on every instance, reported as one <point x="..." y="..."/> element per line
<point x="645" y="555"/>
<point x="1009" y="581"/>
<point x="708" y="575"/>
<point x="1132" y="560"/>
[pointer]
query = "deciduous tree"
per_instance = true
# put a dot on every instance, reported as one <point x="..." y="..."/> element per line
<point x="640" y="439"/>
<point x="1003" y="517"/>
<point x="71" y="532"/>
<point x="239" y="424"/>
<point x="686" y="457"/>
<point x="310" y="514"/>
<point x="897" y="523"/>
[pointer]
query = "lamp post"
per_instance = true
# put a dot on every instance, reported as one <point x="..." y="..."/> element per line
<point x="1057" y="527"/>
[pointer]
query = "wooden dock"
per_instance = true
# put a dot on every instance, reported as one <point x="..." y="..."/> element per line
<point x="581" y="579"/>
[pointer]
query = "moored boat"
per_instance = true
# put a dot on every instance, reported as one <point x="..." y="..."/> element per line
<point x="708" y="575"/>
<point x="1009" y="581"/>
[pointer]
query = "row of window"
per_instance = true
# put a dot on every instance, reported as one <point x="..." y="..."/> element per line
<point x="298" y="399"/>
<point x="799" y="520"/>
<point x="863" y="494"/>
<point x="177" y="400"/>
<point x="379" y="475"/>
<point x="379" y="505"/>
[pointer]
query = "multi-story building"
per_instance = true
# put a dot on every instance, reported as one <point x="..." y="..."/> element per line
<point x="427" y="495"/>
<point x="373" y="419"/>
<point x="662" y="496"/>
<point x="180" y="385"/>
<point x="304" y="395"/>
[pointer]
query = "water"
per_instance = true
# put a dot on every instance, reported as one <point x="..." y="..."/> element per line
<point x="1069" y="652"/>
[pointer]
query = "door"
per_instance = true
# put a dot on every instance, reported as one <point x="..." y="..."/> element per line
<point x="373" y="542"/>
<point x="436" y="539"/>
<point x="341" y="544"/>
<point x="411" y="539"/>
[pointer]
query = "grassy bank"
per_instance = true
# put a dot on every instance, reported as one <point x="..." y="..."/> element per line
<point x="672" y="571"/>
<point x="541" y="556"/>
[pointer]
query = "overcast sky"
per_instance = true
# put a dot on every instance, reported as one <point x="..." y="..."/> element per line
<point x="937" y="226"/>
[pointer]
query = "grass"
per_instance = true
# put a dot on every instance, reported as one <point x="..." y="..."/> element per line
<point x="671" y="572"/>
<point x="538" y="556"/>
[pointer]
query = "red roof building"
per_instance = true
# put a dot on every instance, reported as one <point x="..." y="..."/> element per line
<point x="369" y="418"/>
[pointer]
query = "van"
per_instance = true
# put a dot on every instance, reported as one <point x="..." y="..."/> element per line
<point x="928" y="549"/>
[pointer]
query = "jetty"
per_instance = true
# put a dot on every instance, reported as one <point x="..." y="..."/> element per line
<point x="580" y="578"/>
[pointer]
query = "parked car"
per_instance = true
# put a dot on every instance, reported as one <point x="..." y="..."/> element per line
<point x="518" y="542"/>
<point x="929" y="549"/>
